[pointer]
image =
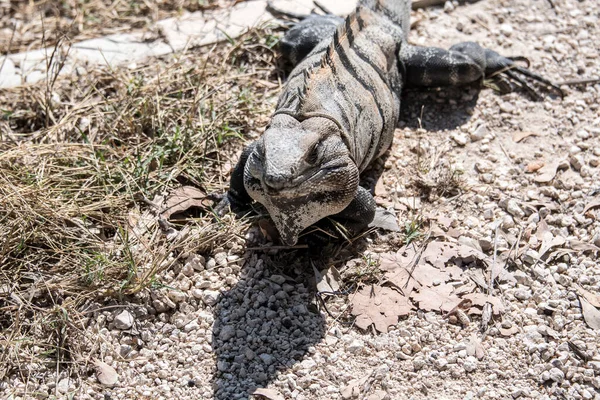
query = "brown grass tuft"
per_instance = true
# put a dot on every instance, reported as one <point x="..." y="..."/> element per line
<point x="77" y="221"/>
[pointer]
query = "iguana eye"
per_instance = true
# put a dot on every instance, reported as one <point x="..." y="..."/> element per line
<point x="313" y="154"/>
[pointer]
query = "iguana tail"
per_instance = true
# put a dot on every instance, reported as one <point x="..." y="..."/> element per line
<point x="398" y="11"/>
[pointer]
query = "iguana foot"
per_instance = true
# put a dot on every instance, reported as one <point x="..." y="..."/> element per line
<point x="498" y="66"/>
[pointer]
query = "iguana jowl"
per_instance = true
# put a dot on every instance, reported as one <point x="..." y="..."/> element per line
<point x="339" y="109"/>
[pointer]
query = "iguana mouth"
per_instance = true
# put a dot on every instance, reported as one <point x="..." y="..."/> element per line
<point x="316" y="174"/>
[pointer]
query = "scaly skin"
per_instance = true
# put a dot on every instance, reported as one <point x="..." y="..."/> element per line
<point x="339" y="109"/>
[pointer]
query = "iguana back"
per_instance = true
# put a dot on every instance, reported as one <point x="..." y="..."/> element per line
<point x="339" y="109"/>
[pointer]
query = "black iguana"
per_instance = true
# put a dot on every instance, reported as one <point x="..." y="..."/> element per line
<point x="339" y="109"/>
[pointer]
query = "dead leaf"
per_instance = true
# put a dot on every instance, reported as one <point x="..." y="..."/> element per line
<point x="396" y="268"/>
<point x="548" y="172"/>
<point x="413" y="203"/>
<point x="270" y="394"/>
<point x="378" y="395"/>
<point x="591" y="205"/>
<point x="479" y="299"/>
<point x="328" y="280"/>
<point x="380" y="189"/>
<point x="354" y="388"/>
<point x="437" y="298"/>
<point x="520" y="135"/>
<point x="578" y="245"/>
<point x="549" y="242"/>
<point x="474" y="347"/>
<point x="439" y="253"/>
<point x="591" y="314"/>
<point x="268" y="229"/>
<point x="593" y="298"/>
<point x="182" y="199"/>
<point x="106" y="374"/>
<point x="427" y="275"/>
<point x="385" y="220"/>
<point x="380" y="306"/>
<point x="534" y="166"/>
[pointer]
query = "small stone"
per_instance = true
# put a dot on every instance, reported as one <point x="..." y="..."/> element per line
<point x="557" y="375"/>
<point x="63" y="385"/>
<point x="488" y="214"/>
<point x="191" y="326"/>
<point x="479" y="133"/>
<point x="508" y="222"/>
<point x="507" y="107"/>
<point x="460" y="139"/>
<point x="196" y="261"/>
<point x="506" y="29"/>
<point x="124" y="350"/>
<point x="418" y="363"/>
<point x="522" y="294"/>
<point x="441" y="363"/>
<point x="470" y="364"/>
<point x="278" y="279"/>
<point x="356" y="346"/>
<point x="227" y="332"/>
<point x="267" y="358"/>
<point x="487" y="178"/>
<point x="187" y="270"/>
<point x="159" y="306"/>
<point x="483" y="167"/>
<point x="583" y="134"/>
<point x="221" y="259"/>
<point x="448" y="7"/>
<point x="124" y="320"/>
<point x="176" y="296"/>
<point x="486" y="244"/>
<point x="576" y="162"/>
<point x="210" y="297"/>
<point x="530" y="257"/>
<point x="512" y="207"/>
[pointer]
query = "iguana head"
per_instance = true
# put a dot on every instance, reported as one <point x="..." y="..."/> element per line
<point x="301" y="171"/>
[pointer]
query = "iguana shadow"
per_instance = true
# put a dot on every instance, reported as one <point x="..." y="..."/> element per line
<point x="263" y="325"/>
<point x="438" y="109"/>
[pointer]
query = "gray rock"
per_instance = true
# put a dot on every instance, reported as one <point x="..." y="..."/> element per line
<point x="557" y="375"/>
<point x="460" y="138"/>
<point x="441" y="364"/>
<point x="356" y="346"/>
<point x="267" y="358"/>
<point x="124" y="320"/>
<point x="210" y="297"/>
<point x="227" y="332"/>
<point x="522" y="294"/>
<point x="479" y="133"/>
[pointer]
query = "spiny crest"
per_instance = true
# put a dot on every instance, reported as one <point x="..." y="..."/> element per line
<point x="344" y="35"/>
<point x="303" y="89"/>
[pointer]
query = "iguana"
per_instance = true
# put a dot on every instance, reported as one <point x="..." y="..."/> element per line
<point x="339" y="109"/>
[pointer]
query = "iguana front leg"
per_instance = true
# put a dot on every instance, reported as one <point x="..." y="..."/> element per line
<point x="463" y="63"/>
<point x="359" y="213"/>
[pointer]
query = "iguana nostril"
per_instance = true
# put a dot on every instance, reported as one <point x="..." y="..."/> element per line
<point x="276" y="182"/>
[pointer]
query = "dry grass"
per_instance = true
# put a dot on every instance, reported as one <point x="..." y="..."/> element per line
<point x="83" y="171"/>
<point x="28" y="24"/>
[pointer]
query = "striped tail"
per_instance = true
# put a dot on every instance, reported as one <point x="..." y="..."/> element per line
<point x="398" y="11"/>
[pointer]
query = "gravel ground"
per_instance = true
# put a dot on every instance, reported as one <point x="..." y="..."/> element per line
<point x="239" y="320"/>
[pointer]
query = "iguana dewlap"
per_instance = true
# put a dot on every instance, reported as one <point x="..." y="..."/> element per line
<point x="339" y="109"/>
